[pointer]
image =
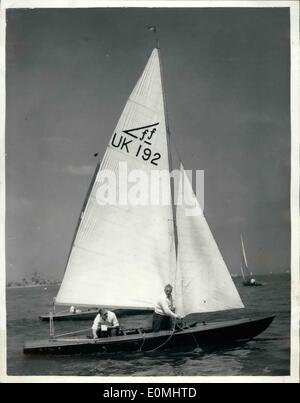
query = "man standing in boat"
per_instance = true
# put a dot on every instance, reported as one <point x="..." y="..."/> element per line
<point x="164" y="311"/>
<point x="105" y="324"/>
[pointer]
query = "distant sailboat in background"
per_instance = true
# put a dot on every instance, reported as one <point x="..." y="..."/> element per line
<point x="248" y="279"/>
<point x="123" y="256"/>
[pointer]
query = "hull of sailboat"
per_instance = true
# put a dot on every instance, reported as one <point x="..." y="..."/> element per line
<point x="247" y="284"/>
<point x="90" y="315"/>
<point x="200" y="335"/>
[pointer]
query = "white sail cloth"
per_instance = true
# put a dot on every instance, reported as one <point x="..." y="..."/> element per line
<point x="203" y="282"/>
<point x="244" y="264"/>
<point x="123" y="255"/>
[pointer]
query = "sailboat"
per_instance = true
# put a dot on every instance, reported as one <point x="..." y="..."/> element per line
<point x="124" y="254"/>
<point x="248" y="279"/>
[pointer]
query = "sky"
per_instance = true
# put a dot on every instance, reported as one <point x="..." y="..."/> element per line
<point x="226" y="77"/>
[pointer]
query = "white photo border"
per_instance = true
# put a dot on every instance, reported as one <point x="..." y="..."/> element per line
<point x="294" y="189"/>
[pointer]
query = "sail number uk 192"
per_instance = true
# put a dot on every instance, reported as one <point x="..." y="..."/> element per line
<point x="138" y="142"/>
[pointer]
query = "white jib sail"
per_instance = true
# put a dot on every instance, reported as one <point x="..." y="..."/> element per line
<point x="123" y="255"/>
<point x="203" y="282"/>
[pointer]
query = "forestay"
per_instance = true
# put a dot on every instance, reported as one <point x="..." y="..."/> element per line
<point x="123" y="255"/>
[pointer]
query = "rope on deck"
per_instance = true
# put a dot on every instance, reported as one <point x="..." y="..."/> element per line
<point x="169" y="338"/>
<point x="162" y="344"/>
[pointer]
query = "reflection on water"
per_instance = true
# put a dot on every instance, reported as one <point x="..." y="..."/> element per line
<point x="268" y="354"/>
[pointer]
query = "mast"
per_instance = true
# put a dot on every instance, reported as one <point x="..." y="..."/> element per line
<point x="169" y="148"/>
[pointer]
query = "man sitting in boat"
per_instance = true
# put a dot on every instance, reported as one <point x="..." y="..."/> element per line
<point x="105" y="324"/>
<point x="164" y="311"/>
<point x="252" y="281"/>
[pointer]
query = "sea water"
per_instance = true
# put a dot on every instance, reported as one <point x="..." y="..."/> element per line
<point x="267" y="355"/>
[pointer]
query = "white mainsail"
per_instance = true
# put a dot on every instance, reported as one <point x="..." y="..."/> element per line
<point x="123" y="255"/>
<point x="203" y="282"/>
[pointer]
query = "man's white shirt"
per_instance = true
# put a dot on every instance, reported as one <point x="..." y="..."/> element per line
<point x="111" y="320"/>
<point x="164" y="306"/>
